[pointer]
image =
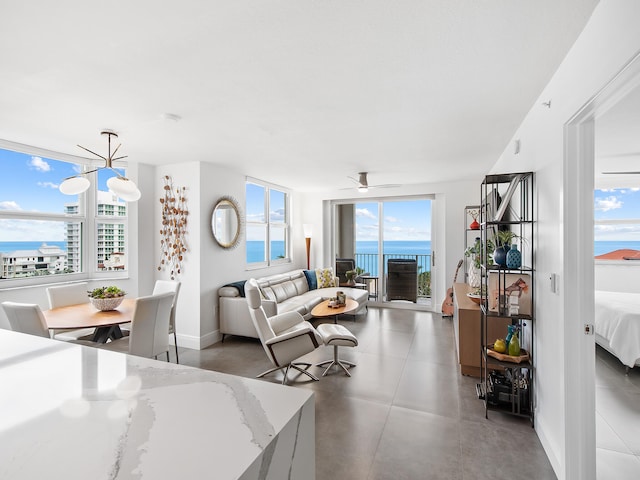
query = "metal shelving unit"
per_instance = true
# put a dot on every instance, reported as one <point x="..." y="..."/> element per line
<point x="507" y="204"/>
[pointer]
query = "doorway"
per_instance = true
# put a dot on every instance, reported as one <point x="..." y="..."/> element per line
<point x="578" y="264"/>
<point x="390" y="231"/>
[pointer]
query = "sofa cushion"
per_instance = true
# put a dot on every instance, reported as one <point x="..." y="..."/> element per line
<point x="312" y="281"/>
<point x="325" y="277"/>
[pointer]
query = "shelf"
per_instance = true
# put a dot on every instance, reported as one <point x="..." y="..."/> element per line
<point x="507" y="203"/>
<point x="504" y="364"/>
<point x="499" y="268"/>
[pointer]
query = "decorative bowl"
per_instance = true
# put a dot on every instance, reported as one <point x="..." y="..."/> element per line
<point x="475" y="298"/>
<point x="106" y="304"/>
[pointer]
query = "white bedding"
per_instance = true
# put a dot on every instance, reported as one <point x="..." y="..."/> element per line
<point x="617" y="317"/>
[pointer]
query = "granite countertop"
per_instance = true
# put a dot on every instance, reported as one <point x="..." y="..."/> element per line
<point x="76" y="412"/>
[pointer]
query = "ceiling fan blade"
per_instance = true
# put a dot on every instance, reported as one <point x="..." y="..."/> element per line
<point x="387" y="185"/>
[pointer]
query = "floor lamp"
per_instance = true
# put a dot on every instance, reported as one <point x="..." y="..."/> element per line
<point x="308" y="229"/>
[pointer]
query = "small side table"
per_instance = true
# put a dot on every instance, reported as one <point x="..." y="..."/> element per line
<point x="369" y="279"/>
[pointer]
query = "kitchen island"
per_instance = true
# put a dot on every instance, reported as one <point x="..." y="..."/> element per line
<point x="77" y="412"/>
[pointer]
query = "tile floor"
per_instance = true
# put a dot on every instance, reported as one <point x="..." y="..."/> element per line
<point x="406" y="412"/>
<point x="617" y="419"/>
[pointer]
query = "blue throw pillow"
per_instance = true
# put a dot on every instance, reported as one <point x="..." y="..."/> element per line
<point x="312" y="281"/>
<point x="239" y="285"/>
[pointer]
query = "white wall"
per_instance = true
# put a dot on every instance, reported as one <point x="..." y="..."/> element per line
<point x="207" y="266"/>
<point x="610" y="39"/>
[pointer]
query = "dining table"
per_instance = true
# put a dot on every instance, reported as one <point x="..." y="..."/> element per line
<point x="85" y="315"/>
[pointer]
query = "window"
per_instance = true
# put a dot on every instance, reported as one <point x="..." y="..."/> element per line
<point x="46" y="233"/>
<point x="267" y="224"/>
<point x="616" y="223"/>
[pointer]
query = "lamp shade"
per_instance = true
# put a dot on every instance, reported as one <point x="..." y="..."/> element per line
<point x="130" y="196"/>
<point x="307" y="228"/>
<point x="74" y="185"/>
<point x="121" y="186"/>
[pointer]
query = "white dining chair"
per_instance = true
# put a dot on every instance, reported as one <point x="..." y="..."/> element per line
<point x="163" y="286"/>
<point x="72" y="294"/>
<point x="26" y="318"/>
<point x="149" y="327"/>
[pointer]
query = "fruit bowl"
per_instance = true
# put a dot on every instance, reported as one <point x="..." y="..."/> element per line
<point x="475" y="298"/>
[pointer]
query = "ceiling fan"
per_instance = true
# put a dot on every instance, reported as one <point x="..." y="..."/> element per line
<point x="363" y="184"/>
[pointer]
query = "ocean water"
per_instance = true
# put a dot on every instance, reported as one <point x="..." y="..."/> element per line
<point x="255" y="250"/>
<point x="8" y="247"/>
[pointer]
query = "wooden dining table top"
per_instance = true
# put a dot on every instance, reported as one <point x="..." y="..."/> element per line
<point x="84" y="315"/>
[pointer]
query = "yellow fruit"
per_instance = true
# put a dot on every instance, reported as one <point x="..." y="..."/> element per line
<point x="500" y="346"/>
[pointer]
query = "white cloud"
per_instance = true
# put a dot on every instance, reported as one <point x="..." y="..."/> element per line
<point x="391" y="219"/>
<point x="607" y="203"/>
<point x="48" y="185"/>
<point x="9" y="205"/>
<point x="39" y="164"/>
<point x="14" y="230"/>
<point x="277" y="215"/>
<point x="363" y="212"/>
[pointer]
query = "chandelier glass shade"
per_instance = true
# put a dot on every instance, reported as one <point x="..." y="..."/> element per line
<point x="121" y="186"/>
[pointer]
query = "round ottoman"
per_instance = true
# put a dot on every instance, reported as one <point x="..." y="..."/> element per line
<point x="336" y="336"/>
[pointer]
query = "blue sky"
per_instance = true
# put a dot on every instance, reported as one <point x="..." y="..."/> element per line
<point x="617" y="204"/>
<point x="403" y="220"/>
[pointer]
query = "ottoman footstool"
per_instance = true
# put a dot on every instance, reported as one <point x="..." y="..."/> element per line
<point x="336" y="336"/>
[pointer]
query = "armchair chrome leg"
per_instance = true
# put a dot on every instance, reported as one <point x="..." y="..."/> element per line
<point x="271" y="370"/>
<point x="304" y="370"/>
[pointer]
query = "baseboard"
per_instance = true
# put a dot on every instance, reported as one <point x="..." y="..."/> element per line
<point x="548" y="448"/>
<point x="197" y="343"/>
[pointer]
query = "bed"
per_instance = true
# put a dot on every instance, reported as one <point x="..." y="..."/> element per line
<point x="617" y="319"/>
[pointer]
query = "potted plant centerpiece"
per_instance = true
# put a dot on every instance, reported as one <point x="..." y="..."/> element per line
<point x="106" y="298"/>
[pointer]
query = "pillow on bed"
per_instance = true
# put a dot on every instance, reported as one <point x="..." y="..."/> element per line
<point x="325" y="277"/>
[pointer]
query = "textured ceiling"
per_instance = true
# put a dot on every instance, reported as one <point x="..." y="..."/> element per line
<point x="411" y="91"/>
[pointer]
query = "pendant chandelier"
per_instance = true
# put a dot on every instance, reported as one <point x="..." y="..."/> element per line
<point x="123" y="187"/>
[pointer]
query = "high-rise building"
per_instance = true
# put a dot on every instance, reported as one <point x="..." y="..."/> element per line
<point x="110" y="236"/>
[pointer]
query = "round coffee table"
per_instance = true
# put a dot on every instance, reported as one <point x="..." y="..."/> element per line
<point x="323" y="310"/>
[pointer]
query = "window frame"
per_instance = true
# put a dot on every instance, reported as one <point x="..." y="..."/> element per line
<point x="87" y="217"/>
<point x="267" y="224"/>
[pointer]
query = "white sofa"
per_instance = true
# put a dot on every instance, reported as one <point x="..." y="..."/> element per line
<point x="284" y="292"/>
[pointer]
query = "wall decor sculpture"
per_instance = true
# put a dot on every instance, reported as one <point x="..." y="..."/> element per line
<point x="173" y="244"/>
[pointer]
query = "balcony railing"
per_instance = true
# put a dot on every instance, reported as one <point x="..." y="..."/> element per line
<point x="368" y="262"/>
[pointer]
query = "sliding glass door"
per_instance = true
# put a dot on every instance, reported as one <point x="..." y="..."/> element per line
<point x="387" y="234"/>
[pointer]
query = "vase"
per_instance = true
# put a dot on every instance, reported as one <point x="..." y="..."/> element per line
<point x="474" y="225"/>
<point x="514" y="345"/>
<point x="514" y="257"/>
<point x="474" y="276"/>
<point x="500" y="255"/>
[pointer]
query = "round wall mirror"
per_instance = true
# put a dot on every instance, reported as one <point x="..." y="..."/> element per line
<point x="226" y="223"/>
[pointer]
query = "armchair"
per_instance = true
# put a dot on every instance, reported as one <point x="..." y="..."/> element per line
<point x="284" y="337"/>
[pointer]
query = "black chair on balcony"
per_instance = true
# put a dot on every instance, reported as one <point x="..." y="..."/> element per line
<point x="343" y="265"/>
<point x="402" y="279"/>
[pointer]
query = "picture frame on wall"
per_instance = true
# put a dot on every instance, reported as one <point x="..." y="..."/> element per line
<point x="506" y="291"/>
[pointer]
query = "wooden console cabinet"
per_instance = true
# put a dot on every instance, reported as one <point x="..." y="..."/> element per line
<point x="468" y="333"/>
